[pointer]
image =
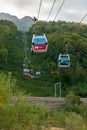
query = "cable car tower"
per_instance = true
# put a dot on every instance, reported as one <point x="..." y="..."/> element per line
<point x="26" y="61"/>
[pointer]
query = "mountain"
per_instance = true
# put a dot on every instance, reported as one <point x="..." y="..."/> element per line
<point x="23" y="24"/>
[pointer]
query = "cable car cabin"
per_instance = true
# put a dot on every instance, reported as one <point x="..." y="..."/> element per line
<point x="26" y="71"/>
<point x="64" y="60"/>
<point x="38" y="74"/>
<point x="39" y="44"/>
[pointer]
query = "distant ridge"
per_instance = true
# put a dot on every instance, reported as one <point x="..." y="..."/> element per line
<point x="23" y="24"/>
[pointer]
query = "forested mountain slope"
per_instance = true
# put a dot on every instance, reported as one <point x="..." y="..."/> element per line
<point x="22" y="24"/>
<point x="58" y="34"/>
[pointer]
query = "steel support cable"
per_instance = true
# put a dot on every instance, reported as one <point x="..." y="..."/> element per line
<point x="80" y="22"/>
<point x="39" y="9"/>
<point x="59" y="9"/>
<point x="51" y="9"/>
<point x="83" y="18"/>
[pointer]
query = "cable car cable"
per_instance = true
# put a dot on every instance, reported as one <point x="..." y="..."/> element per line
<point x="39" y="9"/>
<point x="83" y="18"/>
<point x="59" y="9"/>
<point x="81" y="21"/>
<point x="51" y="9"/>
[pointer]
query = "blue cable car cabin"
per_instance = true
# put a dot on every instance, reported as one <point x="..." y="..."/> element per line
<point x="38" y="74"/>
<point x="64" y="60"/>
<point x="39" y="44"/>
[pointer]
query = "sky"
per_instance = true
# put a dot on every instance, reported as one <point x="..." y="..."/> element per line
<point x="71" y="11"/>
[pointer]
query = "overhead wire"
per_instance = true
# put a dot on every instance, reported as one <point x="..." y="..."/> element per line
<point x="39" y="9"/>
<point x="76" y="27"/>
<point x="51" y="9"/>
<point x="59" y="10"/>
<point x="83" y="18"/>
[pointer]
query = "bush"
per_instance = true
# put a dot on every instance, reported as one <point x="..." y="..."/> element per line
<point x="73" y="121"/>
<point x="74" y="104"/>
<point x="17" y="113"/>
<point x="6" y="87"/>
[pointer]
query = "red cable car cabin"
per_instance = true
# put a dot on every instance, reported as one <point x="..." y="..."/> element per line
<point x="39" y="44"/>
<point x="26" y="71"/>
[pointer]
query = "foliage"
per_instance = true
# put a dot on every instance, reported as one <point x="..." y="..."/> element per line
<point x="73" y="121"/>
<point x="58" y="34"/>
<point x="80" y="89"/>
<point x="74" y="104"/>
<point x="17" y="113"/>
<point x="6" y="86"/>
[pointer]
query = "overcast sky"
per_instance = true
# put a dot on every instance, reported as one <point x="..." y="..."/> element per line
<point x="72" y="10"/>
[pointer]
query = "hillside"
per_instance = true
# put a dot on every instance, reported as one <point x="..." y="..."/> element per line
<point x="58" y="33"/>
<point x="23" y="24"/>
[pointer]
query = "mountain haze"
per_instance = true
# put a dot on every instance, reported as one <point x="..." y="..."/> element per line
<point x="23" y="24"/>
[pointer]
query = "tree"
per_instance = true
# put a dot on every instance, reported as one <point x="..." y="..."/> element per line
<point x="74" y="104"/>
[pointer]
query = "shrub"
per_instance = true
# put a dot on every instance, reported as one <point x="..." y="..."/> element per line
<point x="74" y="104"/>
<point x="6" y="86"/>
<point x="73" y="121"/>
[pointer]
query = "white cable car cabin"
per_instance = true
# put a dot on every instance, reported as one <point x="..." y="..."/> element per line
<point x="38" y="74"/>
<point x="64" y="60"/>
<point x="39" y="44"/>
<point x="26" y="71"/>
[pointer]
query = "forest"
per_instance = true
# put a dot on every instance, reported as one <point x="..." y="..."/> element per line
<point x="58" y="34"/>
<point x="16" y="112"/>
